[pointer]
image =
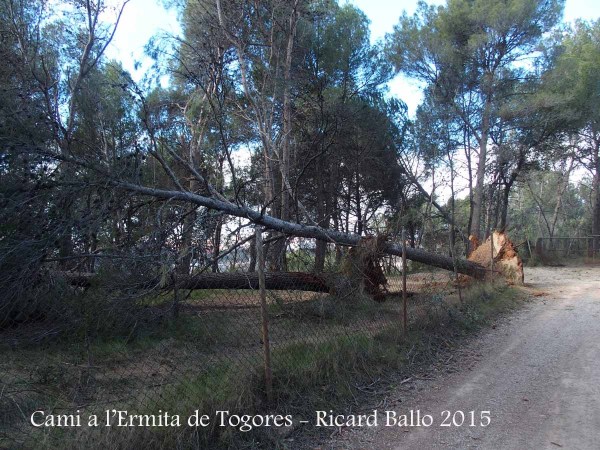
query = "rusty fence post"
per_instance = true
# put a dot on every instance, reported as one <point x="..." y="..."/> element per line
<point x="264" y="315"/>
<point x="404" y="295"/>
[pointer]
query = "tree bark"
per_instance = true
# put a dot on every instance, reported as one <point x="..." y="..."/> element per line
<point x="322" y="219"/>
<point x="478" y="192"/>
<point x="596" y="190"/>
<point x="504" y="206"/>
<point x="252" y="264"/>
<point x="562" y="185"/>
<point x="467" y="137"/>
<point x="287" y="115"/>
<point x="217" y="245"/>
<point x="359" y="221"/>
<point x="300" y="230"/>
<point x="283" y="281"/>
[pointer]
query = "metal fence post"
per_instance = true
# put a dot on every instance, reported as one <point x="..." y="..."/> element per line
<point x="264" y="314"/>
<point x="404" y="307"/>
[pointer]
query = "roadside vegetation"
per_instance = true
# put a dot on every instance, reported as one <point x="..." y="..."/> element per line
<point x="343" y="372"/>
<point x="145" y="204"/>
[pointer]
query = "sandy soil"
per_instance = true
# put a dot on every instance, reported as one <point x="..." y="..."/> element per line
<point x="536" y="372"/>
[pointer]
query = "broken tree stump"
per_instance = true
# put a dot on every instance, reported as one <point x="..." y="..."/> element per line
<point x="506" y="260"/>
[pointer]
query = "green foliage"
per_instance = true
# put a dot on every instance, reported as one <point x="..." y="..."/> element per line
<point x="533" y="206"/>
<point x="469" y="39"/>
<point x="478" y="93"/>
<point x="571" y="86"/>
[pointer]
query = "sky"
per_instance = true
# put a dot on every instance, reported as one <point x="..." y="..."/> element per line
<point x="144" y="18"/>
<point x="384" y="15"/>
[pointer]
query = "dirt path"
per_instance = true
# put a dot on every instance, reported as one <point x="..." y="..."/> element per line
<point x="538" y="373"/>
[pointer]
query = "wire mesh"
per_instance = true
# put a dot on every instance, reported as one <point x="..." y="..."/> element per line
<point x="164" y="347"/>
<point x="569" y="247"/>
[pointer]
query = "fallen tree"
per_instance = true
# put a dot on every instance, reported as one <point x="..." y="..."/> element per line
<point x="330" y="283"/>
<point x="282" y="281"/>
<point x="462" y="266"/>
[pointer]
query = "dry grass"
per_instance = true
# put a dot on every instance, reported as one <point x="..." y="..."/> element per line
<point x="204" y="356"/>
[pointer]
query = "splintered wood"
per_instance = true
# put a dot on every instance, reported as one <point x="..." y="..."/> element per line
<point x="362" y="265"/>
<point x="506" y="260"/>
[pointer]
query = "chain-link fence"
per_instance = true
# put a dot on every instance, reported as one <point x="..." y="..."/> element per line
<point x="118" y="343"/>
<point x="558" y="248"/>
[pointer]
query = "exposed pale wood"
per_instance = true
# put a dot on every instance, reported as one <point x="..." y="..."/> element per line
<point x="505" y="261"/>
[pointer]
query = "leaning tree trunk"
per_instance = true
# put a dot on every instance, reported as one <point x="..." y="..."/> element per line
<point x="308" y="231"/>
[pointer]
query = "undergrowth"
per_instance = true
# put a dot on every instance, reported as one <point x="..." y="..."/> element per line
<point x="324" y="375"/>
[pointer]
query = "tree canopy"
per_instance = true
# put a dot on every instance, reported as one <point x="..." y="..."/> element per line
<point x="280" y="109"/>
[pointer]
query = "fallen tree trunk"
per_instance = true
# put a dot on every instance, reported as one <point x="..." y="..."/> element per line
<point x="309" y="231"/>
<point x="275" y="281"/>
<point x="282" y="281"/>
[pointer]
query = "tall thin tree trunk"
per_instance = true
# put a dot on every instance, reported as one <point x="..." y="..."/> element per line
<point x="504" y="207"/>
<point x="562" y="186"/>
<point x="217" y="245"/>
<point x="359" y="218"/>
<point x="287" y="116"/>
<point x="596" y="191"/>
<point x="252" y="264"/>
<point x="478" y="193"/>
<point x="322" y="219"/>
<point x="468" y="155"/>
